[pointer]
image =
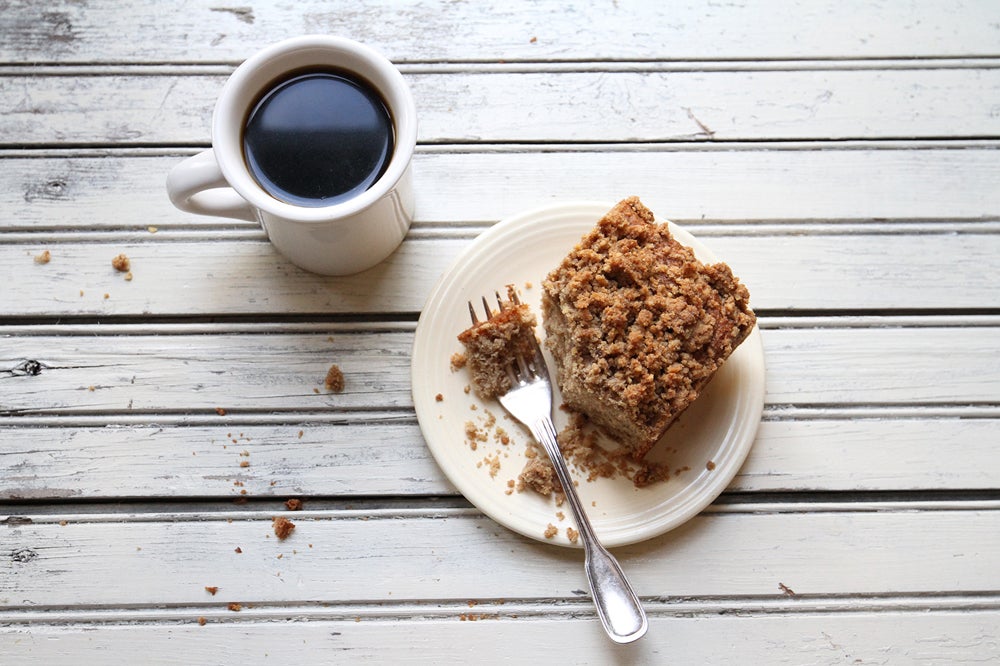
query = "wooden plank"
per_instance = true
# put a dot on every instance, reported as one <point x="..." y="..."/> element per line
<point x="261" y="373"/>
<point x="386" y="456"/>
<point x="46" y="192"/>
<point x="116" y="560"/>
<point x="782" y="639"/>
<point x="601" y="106"/>
<point x="784" y="271"/>
<point x="523" y="30"/>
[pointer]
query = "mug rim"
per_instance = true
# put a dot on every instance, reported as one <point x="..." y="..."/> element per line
<point x="247" y="82"/>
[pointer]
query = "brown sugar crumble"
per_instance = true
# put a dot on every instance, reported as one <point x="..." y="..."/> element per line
<point x="121" y="263"/>
<point x="638" y="326"/>
<point x="293" y="504"/>
<point x="334" y="381"/>
<point x="282" y="527"/>
<point x="458" y="361"/>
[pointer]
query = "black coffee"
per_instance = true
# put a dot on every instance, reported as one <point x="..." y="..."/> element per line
<point x="318" y="138"/>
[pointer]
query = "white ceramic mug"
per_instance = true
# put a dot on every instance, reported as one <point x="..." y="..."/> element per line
<point x="339" y="239"/>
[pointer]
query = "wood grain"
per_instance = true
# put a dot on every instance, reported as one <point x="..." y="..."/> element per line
<point x="602" y="106"/>
<point x="64" y="31"/>
<point x="441" y="555"/>
<point x="385" y="455"/>
<point x="199" y="373"/>
<point x="124" y="192"/>
<point x="786" y="271"/>
<point x="784" y="639"/>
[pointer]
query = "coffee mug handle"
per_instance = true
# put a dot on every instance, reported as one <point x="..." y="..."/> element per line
<point x="197" y="185"/>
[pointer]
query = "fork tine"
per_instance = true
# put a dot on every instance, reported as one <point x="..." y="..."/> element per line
<point x="512" y="376"/>
<point x="499" y="300"/>
<point x="489" y="312"/>
<point x="527" y="372"/>
<point x="472" y="313"/>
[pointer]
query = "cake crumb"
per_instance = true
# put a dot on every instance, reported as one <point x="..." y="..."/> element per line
<point x="439" y="398"/>
<point x="121" y="263"/>
<point x="128" y="276"/>
<point x="572" y="535"/>
<point x="293" y="504"/>
<point x="202" y="621"/>
<point x="235" y="607"/>
<point x="334" y="381"/>
<point x="710" y="465"/>
<point x="244" y="463"/>
<point x="540" y="476"/>
<point x="458" y="361"/>
<point x="151" y="229"/>
<point x="550" y="531"/>
<point x="211" y="589"/>
<point x="650" y="473"/>
<point x="238" y="550"/>
<point x="43" y="257"/>
<point x="220" y="411"/>
<point x="282" y="527"/>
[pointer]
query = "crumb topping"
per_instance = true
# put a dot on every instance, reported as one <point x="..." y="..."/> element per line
<point x="638" y="325"/>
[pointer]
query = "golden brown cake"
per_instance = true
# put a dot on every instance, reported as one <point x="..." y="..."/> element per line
<point x="638" y="326"/>
<point x="492" y="344"/>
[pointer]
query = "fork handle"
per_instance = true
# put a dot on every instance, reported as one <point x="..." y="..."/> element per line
<point x="618" y="606"/>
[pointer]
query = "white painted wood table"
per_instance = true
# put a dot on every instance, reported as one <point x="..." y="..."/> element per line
<point x="841" y="156"/>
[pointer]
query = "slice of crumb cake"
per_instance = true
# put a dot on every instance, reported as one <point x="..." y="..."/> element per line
<point x="638" y="326"/>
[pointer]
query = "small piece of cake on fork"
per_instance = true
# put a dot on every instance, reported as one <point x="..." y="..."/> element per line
<point x="638" y="326"/>
<point x="491" y="345"/>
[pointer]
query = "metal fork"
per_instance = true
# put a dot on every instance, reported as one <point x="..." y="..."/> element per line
<point x="529" y="400"/>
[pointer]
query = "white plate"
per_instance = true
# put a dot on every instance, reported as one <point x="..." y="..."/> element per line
<point x="717" y="431"/>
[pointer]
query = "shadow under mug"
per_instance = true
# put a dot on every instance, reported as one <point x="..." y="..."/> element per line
<point x="340" y="239"/>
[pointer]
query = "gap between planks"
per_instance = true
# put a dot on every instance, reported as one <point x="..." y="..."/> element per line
<point x="423" y="231"/>
<point x="403" y="322"/>
<point x="497" y="609"/>
<point x="526" y="66"/>
<point x="180" y="150"/>
<point x="368" y="510"/>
